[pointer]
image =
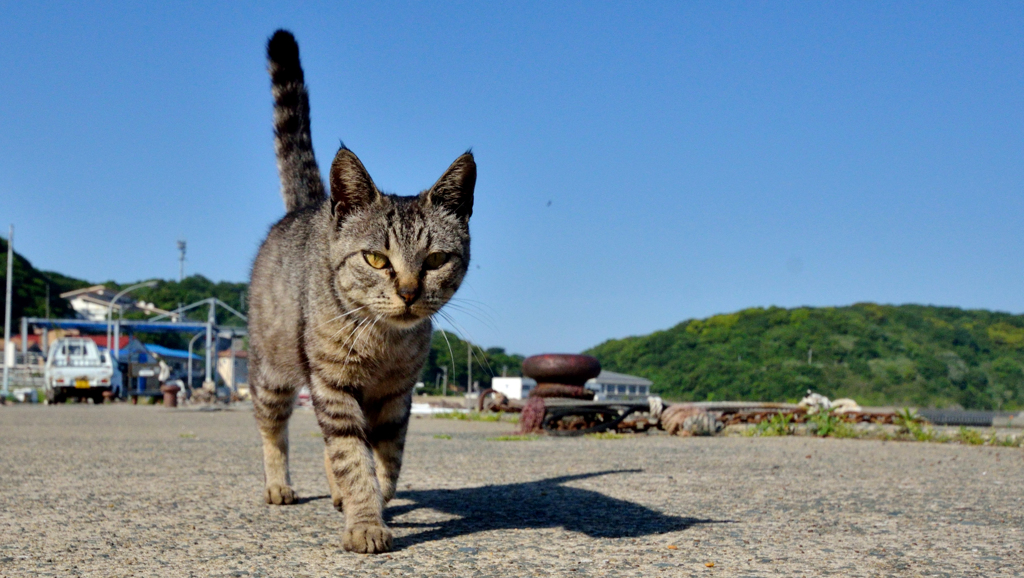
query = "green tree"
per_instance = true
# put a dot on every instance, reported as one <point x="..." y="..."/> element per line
<point x="449" y="351"/>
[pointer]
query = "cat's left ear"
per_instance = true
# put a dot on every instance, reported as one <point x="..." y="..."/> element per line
<point x="351" y="186"/>
<point x="454" y="190"/>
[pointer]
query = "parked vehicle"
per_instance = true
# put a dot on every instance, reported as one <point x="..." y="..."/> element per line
<point x="76" y="368"/>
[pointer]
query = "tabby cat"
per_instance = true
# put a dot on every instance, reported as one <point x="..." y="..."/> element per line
<point x="342" y="293"/>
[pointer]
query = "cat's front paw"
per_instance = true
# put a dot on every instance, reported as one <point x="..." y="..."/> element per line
<point x="366" y="539"/>
<point x="278" y="494"/>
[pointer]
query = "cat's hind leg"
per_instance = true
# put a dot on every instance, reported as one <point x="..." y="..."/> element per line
<point x="332" y="482"/>
<point x="273" y="401"/>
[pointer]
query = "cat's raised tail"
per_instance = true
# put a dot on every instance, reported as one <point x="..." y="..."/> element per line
<point x="301" y="184"/>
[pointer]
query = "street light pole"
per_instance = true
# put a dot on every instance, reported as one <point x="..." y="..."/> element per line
<point x="181" y="261"/>
<point x="190" y="343"/>
<point x="7" y="309"/>
<point x="110" y="315"/>
<point x="211" y="318"/>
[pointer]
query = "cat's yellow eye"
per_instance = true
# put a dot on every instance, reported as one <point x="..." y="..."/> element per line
<point x="435" y="260"/>
<point x="375" y="260"/>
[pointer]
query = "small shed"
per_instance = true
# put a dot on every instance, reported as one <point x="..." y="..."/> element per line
<point x="237" y="374"/>
<point x="513" y="387"/>
<point x="612" y="385"/>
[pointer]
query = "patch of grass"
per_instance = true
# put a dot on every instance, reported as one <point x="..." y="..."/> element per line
<point x="910" y="424"/>
<point x="513" y="438"/>
<point x="970" y="437"/>
<point x="779" y="425"/>
<point x="1011" y="441"/>
<point x="825" y="423"/>
<point x="187" y="435"/>
<point x="923" y="433"/>
<point x="605" y="435"/>
<point x="844" y="429"/>
<point x="906" y="420"/>
<point x="442" y="437"/>
<point x="478" y="416"/>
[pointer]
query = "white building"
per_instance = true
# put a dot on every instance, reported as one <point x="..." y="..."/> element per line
<point x="611" y="385"/>
<point x="607" y="385"/>
<point x="93" y="302"/>
<point x="513" y="387"/>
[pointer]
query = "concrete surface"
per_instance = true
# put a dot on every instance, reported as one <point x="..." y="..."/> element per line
<point x="146" y="491"/>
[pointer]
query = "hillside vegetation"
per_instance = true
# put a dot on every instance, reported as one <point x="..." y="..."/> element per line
<point x="30" y="289"/>
<point x="32" y="286"/>
<point x="876" y="354"/>
<point x="447" y="350"/>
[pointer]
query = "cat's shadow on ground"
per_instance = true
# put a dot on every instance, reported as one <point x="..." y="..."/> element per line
<point x="547" y="503"/>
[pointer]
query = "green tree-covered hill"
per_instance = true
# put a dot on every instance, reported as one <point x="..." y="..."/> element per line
<point x="876" y="354"/>
<point x="30" y="289"/>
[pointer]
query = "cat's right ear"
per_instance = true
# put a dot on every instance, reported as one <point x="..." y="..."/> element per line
<point x="454" y="190"/>
<point x="351" y="186"/>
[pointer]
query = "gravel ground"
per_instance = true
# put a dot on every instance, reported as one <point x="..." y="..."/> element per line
<point x="146" y="491"/>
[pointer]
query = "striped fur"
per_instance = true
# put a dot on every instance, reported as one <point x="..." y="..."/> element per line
<point x="301" y="185"/>
<point x="357" y="336"/>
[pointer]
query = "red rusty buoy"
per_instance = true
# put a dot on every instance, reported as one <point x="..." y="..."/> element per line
<point x="170" y="395"/>
<point x="561" y="374"/>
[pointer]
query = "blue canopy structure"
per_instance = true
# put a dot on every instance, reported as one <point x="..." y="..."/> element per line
<point x="168" y="352"/>
<point x="215" y="333"/>
<point x="127" y="325"/>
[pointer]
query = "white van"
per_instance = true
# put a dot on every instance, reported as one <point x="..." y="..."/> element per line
<point x="76" y="368"/>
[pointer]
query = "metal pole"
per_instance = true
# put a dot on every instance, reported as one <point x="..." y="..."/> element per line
<point x="444" y="387"/>
<point x="7" y="307"/>
<point x="469" y="367"/>
<point x="211" y="318"/>
<point x="24" y="340"/>
<point x="191" y="341"/>
<point x="181" y="261"/>
<point x="110" y="309"/>
<point x="234" y="383"/>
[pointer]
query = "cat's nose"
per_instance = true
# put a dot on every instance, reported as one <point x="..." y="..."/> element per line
<point x="409" y="293"/>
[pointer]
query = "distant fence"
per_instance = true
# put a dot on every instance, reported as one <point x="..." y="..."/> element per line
<point x="26" y="376"/>
<point x="959" y="417"/>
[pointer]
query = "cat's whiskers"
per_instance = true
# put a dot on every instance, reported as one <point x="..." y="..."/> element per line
<point x="347" y="325"/>
<point x="465" y="337"/>
<point x="480" y="305"/>
<point x="451" y="354"/>
<point x="352" y="334"/>
<point x="332" y="319"/>
<point x="358" y="334"/>
<point x="489" y="322"/>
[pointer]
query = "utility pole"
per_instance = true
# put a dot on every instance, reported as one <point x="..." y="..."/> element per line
<point x="444" y="387"/>
<point x="469" y="367"/>
<point x="8" y="348"/>
<point x="181" y="260"/>
<point x="211" y="351"/>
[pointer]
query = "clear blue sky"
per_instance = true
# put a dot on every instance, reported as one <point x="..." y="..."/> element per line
<point x="698" y="158"/>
